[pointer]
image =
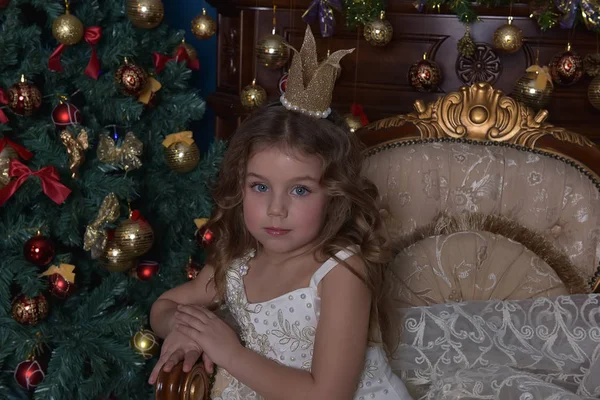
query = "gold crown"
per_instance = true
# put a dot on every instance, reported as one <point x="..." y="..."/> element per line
<point x="310" y="85"/>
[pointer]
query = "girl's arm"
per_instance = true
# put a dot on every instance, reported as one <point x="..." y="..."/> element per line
<point x="340" y="345"/>
<point x="196" y="292"/>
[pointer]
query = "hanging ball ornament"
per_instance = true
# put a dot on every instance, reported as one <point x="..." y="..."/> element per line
<point x="134" y="236"/>
<point x="66" y="114"/>
<point x="508" y="38"/>
<point x="192" y="269"/>
<point x="253" y="96"/>
<point x="531" y="92"/>
<point x="379" y="32"/>
<point x="203" y="26"/>
<point x="114" y="259"/>
<point x="145" y="344"/>
<point x="145" y="270"/>
<point x="591" y="64"/>
<point x="146" y="14"/>
<point x="39" y="250"/>
<point x="189" y="49"/>
<point x="182" y="157"/>
<point x="30" y="373"/>
<point x="566" y="68"/>
<point x="24" y="98"/>
<point x="29" y="310"/>
<point x="594" y="92"/>
<point x="67" y="29"/>
<point x="425" y="75"/>
<point x="131" y="79"/>
<point x="353" y="122"/>
<point x="6" y="155"/>
<point x="59" y="287"/>
<point x="272" y="51"/>
<point x="4" y="4"/>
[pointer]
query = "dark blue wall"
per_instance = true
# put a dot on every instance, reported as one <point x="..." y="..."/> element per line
<point x="179" y="15"/>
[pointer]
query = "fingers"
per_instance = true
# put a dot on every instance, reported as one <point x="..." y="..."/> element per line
<point x="208" y="363"/>
<point x="168" y="361"/>
<point x="192" y="333"/>
<point x="190" y="359"/>
<point x="196" y="311"/>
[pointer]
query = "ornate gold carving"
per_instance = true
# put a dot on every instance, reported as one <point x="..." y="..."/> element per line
<point x="480" y="112"/>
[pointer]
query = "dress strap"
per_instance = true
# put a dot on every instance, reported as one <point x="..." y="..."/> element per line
<point x="329" y="265"/>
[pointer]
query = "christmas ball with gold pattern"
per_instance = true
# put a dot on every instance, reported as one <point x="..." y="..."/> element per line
<point x="24" y="98"/>
<point x="29" y="310"/>
<point x="566" y="68"/>
<point x="508" y="38"/>
<point x="131" y="79"/>
<point x="134" y="236"/>
<point x="526" y="92"/>
<point x="182" y="157"/>
<point x="425" y="76"/>
<point x="67" y="29"/>
<point x="594" y="92"/>
<point x="145" y="14"/>
<point x="354" y="123"/>
<point x="253" y="96"/>
<point x="272" y="51"/>
<point x="203" y="26"/>
<point x="378" y="32"/>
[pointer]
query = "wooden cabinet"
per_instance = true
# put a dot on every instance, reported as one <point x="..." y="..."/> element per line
<point x="376" y="77"/>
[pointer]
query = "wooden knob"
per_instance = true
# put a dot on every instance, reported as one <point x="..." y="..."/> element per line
<point x="179" y="385"/>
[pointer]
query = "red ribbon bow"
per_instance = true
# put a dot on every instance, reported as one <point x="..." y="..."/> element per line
<point x="3" y="100"/>
<point x="92" y="36"/>
<point x="358" y="111"/>
<point x="21" y="151"/>
<point x="48" y="175"/>
<point x="136" y="215"/>
<point x="160" y="60"/>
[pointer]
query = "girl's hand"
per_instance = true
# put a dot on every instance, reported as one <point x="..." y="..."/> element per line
<point x="175" y="348"/>
<point x="209" y="332"/>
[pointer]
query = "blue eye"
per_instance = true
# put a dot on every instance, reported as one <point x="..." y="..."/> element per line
<point x="300" y="191"/>
<point x="259" y="187"/>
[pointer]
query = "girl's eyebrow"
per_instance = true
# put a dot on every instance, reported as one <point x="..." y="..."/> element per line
<point x="299" y="178"/>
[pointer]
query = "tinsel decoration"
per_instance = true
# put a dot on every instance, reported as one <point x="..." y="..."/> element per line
<point x="466" y="45"/>
<point x="76" y="146"/>
<point x="123" y="153"/>
<point x="95" y="237"/>
<point x="322" y="10"/>
<point x="360" y="12"/>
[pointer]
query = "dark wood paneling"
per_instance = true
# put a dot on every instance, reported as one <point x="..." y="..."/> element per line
<point x="377" y="77"/>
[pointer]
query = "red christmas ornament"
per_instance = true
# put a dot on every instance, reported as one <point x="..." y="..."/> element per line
<point x="566" y="68"/>
<point x="39" y="250"/>
<point x="283" y="83"/>
<point x="66" y="114"/>
<point x="131" y="79"/>
<point x="29" y="310"/>
<point x="59" y="286"/>
<point x="4" y="4"/>
<point x="192" y="269"/>
<point x="24" y="98"/>
<point x="204" y="236"/>
<point x="425" y="75"/>
<point x="30" y="373"/>
<point x="146" y="270"/>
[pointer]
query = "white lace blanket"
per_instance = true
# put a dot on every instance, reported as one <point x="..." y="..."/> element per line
<point x="545" y="348"/>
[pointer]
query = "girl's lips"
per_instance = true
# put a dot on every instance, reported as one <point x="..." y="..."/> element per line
<point x="276" y="231"/>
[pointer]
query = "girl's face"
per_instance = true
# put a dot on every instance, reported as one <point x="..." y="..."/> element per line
<point x="284" y="204"/>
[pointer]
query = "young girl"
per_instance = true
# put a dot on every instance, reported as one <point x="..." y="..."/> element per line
<point x="298" y="258"/>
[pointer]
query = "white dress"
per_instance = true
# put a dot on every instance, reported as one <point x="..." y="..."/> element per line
<point x="283" y="329"/>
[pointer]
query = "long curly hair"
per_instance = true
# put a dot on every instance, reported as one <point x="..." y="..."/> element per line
<point x="352" y="216"/>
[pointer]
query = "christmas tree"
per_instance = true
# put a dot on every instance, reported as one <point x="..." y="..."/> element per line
<point x="102" y="189"/>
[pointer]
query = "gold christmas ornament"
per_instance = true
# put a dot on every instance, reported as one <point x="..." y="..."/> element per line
<point x="272" y="51"/>
<point x="353" y="122"/>
<point x="466" y="45"/>
<point x="189" y="49"/>
<point x="508" y="38"/>
<point x="134" y="236"/>
<point x="145" y="14"/>
<point x="310" y="84"/>
<point x="116" y="260"/>
<point x="181" y="152"/>
<point x="6" y="155"/>
<point x="535" y="88"/>
<point x="203" y="26"/>
<point x="24" y="98"/>
<point x="95" y="237"/>
<point x="594" y="92"/>
<point x="145" y="344"/>
<point x="379" y="32"/>
<point x="67" y="29"/>
<point x="591" y="64"/>
<point x="253" y="96"/>
<point x="76" y="146"/>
